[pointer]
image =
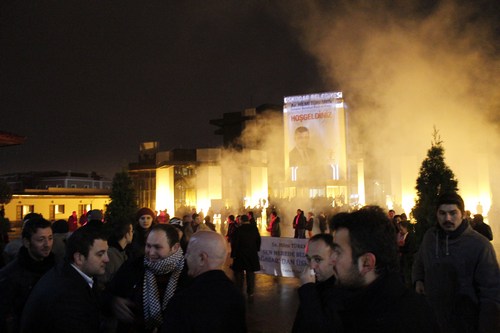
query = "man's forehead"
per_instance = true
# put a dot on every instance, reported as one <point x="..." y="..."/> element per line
<point x="448" y="207"/>
<point x="43" y="231"/>
<point x="99" y="244"/>
<point x="157" y="236"/>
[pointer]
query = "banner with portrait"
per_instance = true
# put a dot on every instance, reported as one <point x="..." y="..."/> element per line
<point x="315" y="137"/>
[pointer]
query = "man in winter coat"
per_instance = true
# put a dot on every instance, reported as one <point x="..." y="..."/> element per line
<point x="19" y="277"/>
<point x="143" y="286"/>
<point x="245" y="246"/>
<point x="198" y="307"/>
<point x="457" y="270"/>
<point x="371" y="296"/>
<point x="65" y="299"/>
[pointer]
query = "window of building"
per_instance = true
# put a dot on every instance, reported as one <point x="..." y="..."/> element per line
<point x="22" y="210"/>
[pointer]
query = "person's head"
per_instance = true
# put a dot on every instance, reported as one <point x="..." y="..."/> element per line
<point x="244" y="219"/>
<point x="478" y="218"/>
<point x="187" y="219"/>
<point x="364" y="246"/>
<point x="145" y="217"/>
<point x="94" y="215"/>
<point x="162" y="242"/>
<point x="301" y="137"/>
<point x="60" y="227"/>
<point x="250" y="215"/>
<point x="74" y="213"/>
<point x="207" y="219"/>
<point x="196" y="218"/>
<point x="37" y="237"/>
<point x="207" y="250"/>
<point x="403" y="226"/>
<point x="122" y="230"/>
<point x="274" y="214"/>
<point x="319" y="252"/>
<point x="87" y="249"/>
<point x="299" y="212"/>
<point x="450" y="211"/>
<point x="391" y="213"/>
<point x="230" y="218"/>
<point x="310" y="214"/>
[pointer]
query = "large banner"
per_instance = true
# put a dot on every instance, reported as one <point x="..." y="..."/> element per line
<point x="315" y="137"/>
<point x="282" y="256"/>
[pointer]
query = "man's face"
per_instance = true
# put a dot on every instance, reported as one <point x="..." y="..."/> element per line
<point x="318" y="254"/>
<point x="157" y="247"/>
<point x="40" y="243"/>
<point x="344" y="269"/>
<point x="191" y="262"/>
<point x="130" y="234"/>
<point x="449" y="217"/>
<point x="145" y="221"/>
<point x="95" y="263"/>
<point x="302" y="140"/>
<point x="196" y="221"/>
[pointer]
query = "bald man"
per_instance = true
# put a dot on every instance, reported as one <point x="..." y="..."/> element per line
<point x="212" y="303"/>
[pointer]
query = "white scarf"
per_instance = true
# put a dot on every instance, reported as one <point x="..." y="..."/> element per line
<point x="153" y="309"/>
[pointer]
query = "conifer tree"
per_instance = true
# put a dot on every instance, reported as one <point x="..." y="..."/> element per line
<point x="435" y="177"/>
<point x="5" y="192"/>
<point x="123" y="205"/>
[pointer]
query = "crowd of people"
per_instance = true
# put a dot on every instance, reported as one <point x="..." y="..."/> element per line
<point x="152" y="274"/>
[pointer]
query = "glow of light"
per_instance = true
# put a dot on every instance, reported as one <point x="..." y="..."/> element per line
<point x="165" y="189"/>
<point x="208" y="186"/>
<point x="361" y="182"/>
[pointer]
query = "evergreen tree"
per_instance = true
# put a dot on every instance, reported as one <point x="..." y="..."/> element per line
<point x="435" y="177"/>
<point x="5" y="192"/>
<point x="123" y="206"/>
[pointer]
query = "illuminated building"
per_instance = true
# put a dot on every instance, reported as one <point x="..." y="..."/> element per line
<point x="55" y="194"/>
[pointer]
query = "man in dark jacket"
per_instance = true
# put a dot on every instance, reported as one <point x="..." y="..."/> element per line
<point x="65" y="299"/>
<point x="142" y="287"/>
<point x="481" y="227"/>
<point x="457" y="270"/>
<point x="198" y="307"/>
<point x="299" y="224"/>
<point x="245" y="246"/>
<point x="317" y="288"/>
<point x="365" y="265"/>
<point x="19" y="277"/>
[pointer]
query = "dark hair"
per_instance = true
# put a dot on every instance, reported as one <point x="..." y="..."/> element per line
<point x="370" y="231"/>
<point x="250" y="213"/>
<point x="244" y="218"/>
<point x="405" y="224"/>
<point x="31" y="225"/>
<point x="451" y="198"/>
<point x="194" y="216"/>
<point x="60" y="227"/>
<point x="119" y="230"/>
<point x="81" y="240"/>
<point x="478" y="218"/>
<point x="301" y="129"/>
<point x="231" y="217"/>
<point x="327" y="238"/>
<point x="170" y="231"/>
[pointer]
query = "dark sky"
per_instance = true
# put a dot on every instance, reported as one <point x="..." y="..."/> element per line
<point x="87" y="81"/>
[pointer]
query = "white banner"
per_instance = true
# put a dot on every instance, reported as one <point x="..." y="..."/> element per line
<point x="282" y="256"/>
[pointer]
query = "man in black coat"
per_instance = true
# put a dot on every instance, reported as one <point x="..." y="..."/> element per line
<point x="198" y="307"/>
<point x="19" y="277"/>
<point x="365" y="265"/>
<point x="245" y="246"/>
<point x="299" y="224"/>
<point x="64" y="300"/>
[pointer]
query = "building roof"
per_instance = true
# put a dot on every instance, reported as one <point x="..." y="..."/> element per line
<point x="9" y="139"/>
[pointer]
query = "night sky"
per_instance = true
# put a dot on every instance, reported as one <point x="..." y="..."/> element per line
<point x="87" y="81"/>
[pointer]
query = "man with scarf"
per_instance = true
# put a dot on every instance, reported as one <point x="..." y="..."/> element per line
<point x="457" y="270"/>
<point x="142" y="287"/>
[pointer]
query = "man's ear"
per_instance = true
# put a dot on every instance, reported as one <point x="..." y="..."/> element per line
<point x="176" y="247"/>
<point x="367" y="263"/>
<point x="26" y="243"/>
<point x="78" y="259"/>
